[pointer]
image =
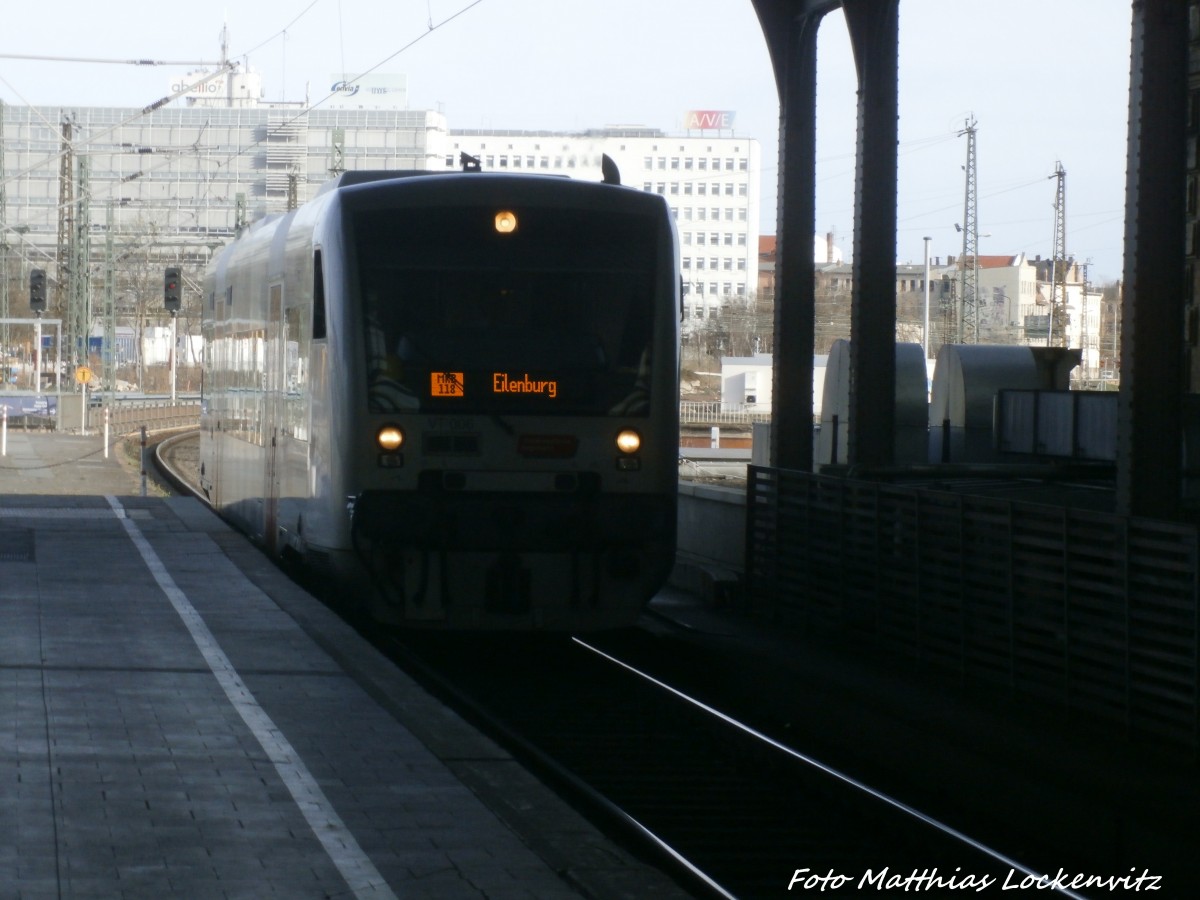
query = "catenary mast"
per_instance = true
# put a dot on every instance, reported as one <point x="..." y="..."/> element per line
<point x="968" y="298"/>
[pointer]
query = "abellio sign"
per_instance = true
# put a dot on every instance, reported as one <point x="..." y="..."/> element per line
<point x="708" y="119"/>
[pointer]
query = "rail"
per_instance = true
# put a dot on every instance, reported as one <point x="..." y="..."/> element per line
<point x="1095" y="611"/>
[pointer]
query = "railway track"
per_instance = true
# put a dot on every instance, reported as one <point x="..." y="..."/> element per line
<point x="617" y="723"/>
<point x="733" y="812"/>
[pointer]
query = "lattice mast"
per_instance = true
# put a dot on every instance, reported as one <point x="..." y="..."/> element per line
<point x="968" y="297"/>
<point x="1056" y="334"/>
<point x="108" y="348"/>
<point x="66" y="210"/>
<point x="79" y="311"/>
<point x="4" y="273"/>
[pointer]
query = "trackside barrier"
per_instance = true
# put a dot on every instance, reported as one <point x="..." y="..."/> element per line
<point x="155" y="415"/>
<point x="1095" y="611"/>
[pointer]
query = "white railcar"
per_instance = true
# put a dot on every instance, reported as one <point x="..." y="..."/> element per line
<point x="455" y="394"/>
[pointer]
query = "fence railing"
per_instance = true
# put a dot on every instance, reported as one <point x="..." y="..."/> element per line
<point x="1095" y="611"/>
<point x="693" y="412"/>
<point x="156" y="415"/>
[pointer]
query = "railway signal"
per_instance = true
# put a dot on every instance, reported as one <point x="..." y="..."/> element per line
<point x="37" y="290"/>
<point x="172" y="289"/>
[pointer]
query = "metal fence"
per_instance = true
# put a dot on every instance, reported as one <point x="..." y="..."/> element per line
<point x="156" y="415"/>
<point x="693" y="412"/>
<point x="1093" y="610"/>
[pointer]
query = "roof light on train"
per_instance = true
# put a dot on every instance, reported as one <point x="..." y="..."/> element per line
<point x="390" y="438"/>
<point x="629" y="441"/>
<point x="506" y="221"/>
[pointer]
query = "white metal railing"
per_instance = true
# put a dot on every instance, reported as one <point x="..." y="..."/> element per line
<point x="694" y="412"/>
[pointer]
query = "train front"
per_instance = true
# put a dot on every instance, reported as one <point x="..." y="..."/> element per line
<point x="521" y="379"/>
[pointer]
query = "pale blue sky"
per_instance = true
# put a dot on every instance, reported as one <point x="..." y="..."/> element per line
<point x="1047" y="81"/>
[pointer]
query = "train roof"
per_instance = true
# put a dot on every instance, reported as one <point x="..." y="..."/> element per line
<point x="470" y="166"/>
<point x="345" y="179"/>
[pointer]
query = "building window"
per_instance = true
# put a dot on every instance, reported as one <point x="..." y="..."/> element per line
<point x="687" y="189"/>
<point x="662" y="162"/>
<point x="674" y="187"/>
<point x="741" y="190"/>
<point x="729" y="164"/>
<point x="686" y="263"/>
<point x="675" y="162"/>
<point x="703" y="164"/>
<point x="700" y="262"/>
<point x="648" y="162"/>
<point x="743" y="165"/>
<point x="687" y="164"/>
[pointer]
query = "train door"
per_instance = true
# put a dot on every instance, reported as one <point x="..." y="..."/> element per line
<point x="276" y="359"/>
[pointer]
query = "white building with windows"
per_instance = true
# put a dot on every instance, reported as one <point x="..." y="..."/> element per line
<point x="711" y="182"/>
<point x="169" y="184"/>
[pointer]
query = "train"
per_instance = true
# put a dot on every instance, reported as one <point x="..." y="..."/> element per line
<point x="453" y="396"/>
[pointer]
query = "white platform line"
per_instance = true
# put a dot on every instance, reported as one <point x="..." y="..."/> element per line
<point x="354" y="865"/>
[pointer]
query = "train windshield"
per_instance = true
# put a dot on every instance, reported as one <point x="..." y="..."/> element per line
<point x="547" y="312"/>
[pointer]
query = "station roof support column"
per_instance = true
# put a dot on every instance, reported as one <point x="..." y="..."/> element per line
<point x="790" y="27"/>
<point x="1150" y="412"/>
<point x="874" y="38"/>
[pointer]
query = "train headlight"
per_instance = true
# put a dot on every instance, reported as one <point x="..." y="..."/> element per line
<point x="629" y="441"/>
<point x="390" y="438"/>
<point x="506" y="221"/>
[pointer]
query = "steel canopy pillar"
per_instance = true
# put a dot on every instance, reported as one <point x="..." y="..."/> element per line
<point x="1150" y="414"/>
<point x="790" y="28"/>
<point x="874" y="38"/>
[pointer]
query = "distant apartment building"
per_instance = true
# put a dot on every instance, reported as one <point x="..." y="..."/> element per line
<point x="711" y="182"/>
<point x="1015" y="295"/>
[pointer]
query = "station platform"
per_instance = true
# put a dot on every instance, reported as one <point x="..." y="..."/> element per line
<point x="177" y="718"/>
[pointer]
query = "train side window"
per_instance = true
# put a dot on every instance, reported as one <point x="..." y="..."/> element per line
<point x="318" y="309"/>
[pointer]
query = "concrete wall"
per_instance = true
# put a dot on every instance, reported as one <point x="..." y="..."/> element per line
<point x="710" y="554"/>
